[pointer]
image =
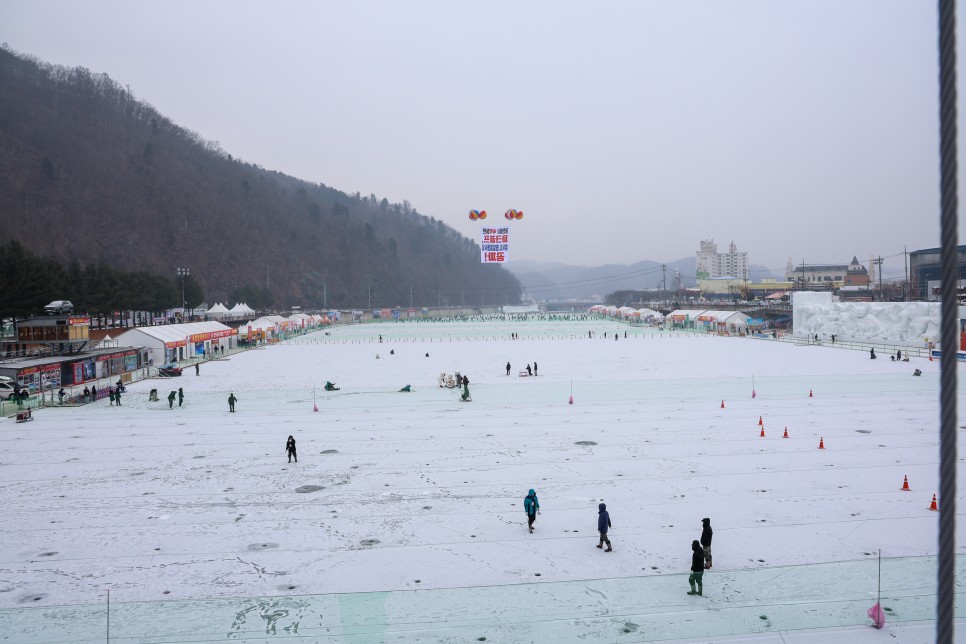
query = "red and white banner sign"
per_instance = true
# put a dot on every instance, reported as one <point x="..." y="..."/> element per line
<point x="495" y="244"/>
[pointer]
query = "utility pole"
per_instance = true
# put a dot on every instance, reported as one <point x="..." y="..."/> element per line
<point x="369" y="291"/>
<point x="878" y="267"/>
<point x="905" y="265"/>
<point x="410" y="296"/>
<point x="325" y="296"/>
<point x="664" y="284"/>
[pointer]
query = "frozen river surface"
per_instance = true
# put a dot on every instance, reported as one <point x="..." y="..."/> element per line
<point x="398" y="492"/>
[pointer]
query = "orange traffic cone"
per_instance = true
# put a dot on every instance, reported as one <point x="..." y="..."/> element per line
<point x="933" y="506"/>
<point x="785" y="435"/>
<point x="810" y="393"/>
<point x="821" y="443"/>
<point x="760" y="421"/>
<point x="722" y="404"/>
<point x="905" y="484"/>
<point x="762" y="431"/>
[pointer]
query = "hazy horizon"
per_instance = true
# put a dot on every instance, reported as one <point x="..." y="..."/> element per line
<point x="625" y="131"/>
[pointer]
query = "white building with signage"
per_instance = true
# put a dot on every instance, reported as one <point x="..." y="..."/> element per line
<point x="172" y="342"/>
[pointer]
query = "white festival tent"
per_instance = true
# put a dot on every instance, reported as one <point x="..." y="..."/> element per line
<point x="217" y="311"/>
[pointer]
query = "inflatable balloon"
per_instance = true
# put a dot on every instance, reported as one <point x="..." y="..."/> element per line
<point x="482" y="214"/>
<point x="509" y="214"/>
<point x="519" y="214"/>
<point x="474" y="215"/>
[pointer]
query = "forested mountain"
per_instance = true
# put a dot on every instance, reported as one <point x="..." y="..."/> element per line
<point x="91" y="176"/>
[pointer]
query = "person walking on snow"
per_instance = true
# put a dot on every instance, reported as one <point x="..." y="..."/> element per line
<point x="117" y="396"/>
<point x="110" y="395"/>
<point x="706" y="534"/>
<point x="197" y="369"/>
<point x="231" y="402"/>
<point x="180" y="396"/>
<point x="171" y="397"/>
<point x="603" y="525"/>
<point x="534" y="367"/>
<point x="531" y="506"/>
<point x="290" y="448"/>
<point x="529" y="371"/>
<point x="697" y="568"/>
<point x="508" y="368"/>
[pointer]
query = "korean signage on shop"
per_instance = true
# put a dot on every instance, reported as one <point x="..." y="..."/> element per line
<point x="495" y="244"/>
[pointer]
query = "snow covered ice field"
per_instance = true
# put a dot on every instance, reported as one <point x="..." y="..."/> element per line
<point x="418" y="491"/>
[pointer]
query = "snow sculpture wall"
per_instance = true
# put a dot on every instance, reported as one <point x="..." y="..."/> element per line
<point x="907" y="323"/>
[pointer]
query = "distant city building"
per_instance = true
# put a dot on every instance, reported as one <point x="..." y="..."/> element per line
<point x="827" y="275"/>
<point x="712" y="264"/>
<point x="925" y="273"/>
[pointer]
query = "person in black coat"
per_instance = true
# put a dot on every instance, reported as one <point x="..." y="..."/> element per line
<point x="697" y="568"/>
<point x="508" y="368"/>
<point x="706" y="534"/>
<point x="290" y="448"/>
<point x="603" y="525"/>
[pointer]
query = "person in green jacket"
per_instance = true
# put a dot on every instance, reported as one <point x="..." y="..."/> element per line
<point x="407" y="389"/>
<point x="171" y="397"/>
<point x="231" y="402"/>
<point x="110" y="395"/>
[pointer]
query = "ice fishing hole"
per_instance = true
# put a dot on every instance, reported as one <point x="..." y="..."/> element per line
<point x="305" y="489"/>
<point x="329" y="451"/>
<point x="585" y="443"/>
<point x="369" y="542"/>
<point x="261" y="546"/>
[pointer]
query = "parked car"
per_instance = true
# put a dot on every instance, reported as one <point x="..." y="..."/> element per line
<point x="59" y="307"/>
<point x="6" y="390"/>
<point x="169" y="370"/>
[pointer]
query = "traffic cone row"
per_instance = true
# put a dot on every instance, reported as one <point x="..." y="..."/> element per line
<point x="934" y="506"/>
<point x="785" y="435"/>
<point x="821" y="443"/>
<point x="760" y="422"/>
<point x="722" y="404"/>
<point x="810" y="394"/>
<point x="762" y="431"/>
<point x="905" y="484"/>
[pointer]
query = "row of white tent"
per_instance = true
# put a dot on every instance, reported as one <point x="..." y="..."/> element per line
<point x="731" y="321"/>
<point x="219" y="310"/>
<point x="270" y="325"/>
<point x="627" y="312"/>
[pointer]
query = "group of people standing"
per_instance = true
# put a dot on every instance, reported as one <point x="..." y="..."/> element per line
<point x="530" y="372"/>
<point x="700" y="548"/>
<point x="179" y="394"/>
<point x="700" y="558"/>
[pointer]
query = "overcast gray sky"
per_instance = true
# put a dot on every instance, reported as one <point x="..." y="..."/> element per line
<point x="624" y="130"/>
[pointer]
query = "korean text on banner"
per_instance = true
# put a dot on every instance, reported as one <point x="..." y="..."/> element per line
<point x="495" y="244"/>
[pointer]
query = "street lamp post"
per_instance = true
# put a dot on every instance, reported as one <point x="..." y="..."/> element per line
<point x="183" y="273"/>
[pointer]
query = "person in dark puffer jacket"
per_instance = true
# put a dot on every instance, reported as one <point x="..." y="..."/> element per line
<point x="603" y="524"/>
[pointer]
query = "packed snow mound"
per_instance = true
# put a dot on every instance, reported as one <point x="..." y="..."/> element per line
<point x="908" y="323"/>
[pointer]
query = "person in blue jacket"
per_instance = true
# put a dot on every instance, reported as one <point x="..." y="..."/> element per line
<point x="531" y="506"/>
<point x="603" y="524"/>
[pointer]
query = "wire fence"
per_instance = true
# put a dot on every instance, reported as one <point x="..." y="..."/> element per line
<point x="628" y="609"/>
